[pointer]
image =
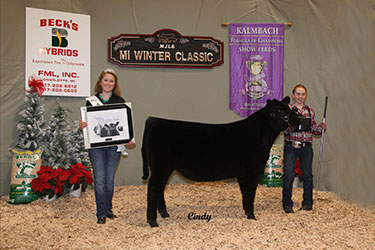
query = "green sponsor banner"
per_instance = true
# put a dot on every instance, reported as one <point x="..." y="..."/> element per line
<point x="273" y="174"/>
<point x="25" y="166"/>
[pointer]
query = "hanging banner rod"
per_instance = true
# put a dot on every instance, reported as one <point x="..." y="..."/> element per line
<point x="286" y="24"/>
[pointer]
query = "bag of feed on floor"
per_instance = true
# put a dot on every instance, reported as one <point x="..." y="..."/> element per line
<point x="273" y="173"/>
<point x="25" y="165"/>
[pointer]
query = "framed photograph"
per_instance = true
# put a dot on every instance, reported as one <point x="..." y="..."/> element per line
<point x="107" y="125"/>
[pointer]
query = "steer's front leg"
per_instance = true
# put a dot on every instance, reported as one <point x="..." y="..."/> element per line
<point x="250" y="214"/>
<point x="248" y="194"/>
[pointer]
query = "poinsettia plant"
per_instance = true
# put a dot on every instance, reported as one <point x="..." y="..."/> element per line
<point x="50" y="181"/>
<point x="79" y="174"/>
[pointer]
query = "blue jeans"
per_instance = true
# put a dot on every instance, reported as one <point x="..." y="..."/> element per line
<point x="104" y="162"/>
<point x="290" y="157"/>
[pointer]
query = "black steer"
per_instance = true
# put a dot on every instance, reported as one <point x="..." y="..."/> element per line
<point x="211" y="152"/>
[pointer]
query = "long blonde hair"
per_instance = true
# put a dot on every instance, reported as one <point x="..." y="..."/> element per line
<point x="98" y="89"/>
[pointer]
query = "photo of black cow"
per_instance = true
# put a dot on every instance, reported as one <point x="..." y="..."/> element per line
<point x="108" y="129"/>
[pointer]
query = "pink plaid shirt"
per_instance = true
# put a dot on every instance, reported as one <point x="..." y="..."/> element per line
<point x="305" y="136"/>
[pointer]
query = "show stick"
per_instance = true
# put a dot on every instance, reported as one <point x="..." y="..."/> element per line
<point x="320" y="154"/>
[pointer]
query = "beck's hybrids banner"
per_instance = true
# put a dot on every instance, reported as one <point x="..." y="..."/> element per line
<point x="58" y="51"/>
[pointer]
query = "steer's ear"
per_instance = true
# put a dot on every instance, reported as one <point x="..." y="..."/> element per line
<point x="286" y="99"/>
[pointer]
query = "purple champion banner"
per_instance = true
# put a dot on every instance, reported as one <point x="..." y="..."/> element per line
<point x="256" y="65"/>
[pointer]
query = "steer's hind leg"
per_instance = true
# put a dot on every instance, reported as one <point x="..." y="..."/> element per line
<point x="153" y="197"/>
<point x="162" y="208"/>
<point x="248" y="194"/>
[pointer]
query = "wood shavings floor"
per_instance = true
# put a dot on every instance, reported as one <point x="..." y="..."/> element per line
<point x="70" y="223"/>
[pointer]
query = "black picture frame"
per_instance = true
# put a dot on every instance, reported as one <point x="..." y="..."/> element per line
<point x="107" y="125"/>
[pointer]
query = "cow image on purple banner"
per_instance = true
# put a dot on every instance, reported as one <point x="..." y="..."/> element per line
<point x="256" y="65"/>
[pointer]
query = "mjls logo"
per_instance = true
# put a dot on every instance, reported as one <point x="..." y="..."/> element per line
<point x="59" y="37"/>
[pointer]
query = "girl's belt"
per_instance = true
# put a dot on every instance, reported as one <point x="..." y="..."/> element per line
<point x="298" y="144"/>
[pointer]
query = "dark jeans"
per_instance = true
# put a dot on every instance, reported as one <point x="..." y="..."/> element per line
<point x="290" y="157"/>
<point x="104" y="162"/>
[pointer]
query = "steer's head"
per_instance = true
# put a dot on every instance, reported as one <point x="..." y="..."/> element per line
<point x="280" y="114"/>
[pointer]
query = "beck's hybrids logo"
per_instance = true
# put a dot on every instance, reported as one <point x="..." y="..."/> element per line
<point x="59" y="36"/>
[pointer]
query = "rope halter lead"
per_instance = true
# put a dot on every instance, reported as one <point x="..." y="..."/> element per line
<point x="286" y="117"/>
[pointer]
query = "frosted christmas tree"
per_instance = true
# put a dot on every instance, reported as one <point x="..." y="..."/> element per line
<point x="26" y="156"/>
<point x="31" y="119"/>
<point x="56" y="140"/>
<point x="78" y="153"/>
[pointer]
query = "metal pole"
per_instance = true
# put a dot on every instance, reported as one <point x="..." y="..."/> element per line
<point x="320" y="154"/>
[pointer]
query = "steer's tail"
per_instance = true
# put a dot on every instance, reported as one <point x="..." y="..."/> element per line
<point x="144" y="150"/>
<point x="145" y="164"/>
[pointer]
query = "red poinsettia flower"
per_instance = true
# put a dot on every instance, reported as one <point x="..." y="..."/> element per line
<point x="80" y="166"/>
<point x="44" y="170"/>
<point x="59" y="188"/>
<point x="56" y="172"/>
<point x="74" y="179"/>
<point x="45" y="177"/>
<point x="89" y="177"/>
<point x="79" y="173"/>
<point x="64" y="175"/>
<point x="49" y="181"/>
<point x="39" y="185"/>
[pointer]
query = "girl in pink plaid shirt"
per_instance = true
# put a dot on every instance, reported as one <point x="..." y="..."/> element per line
<point x="298" y="145"/>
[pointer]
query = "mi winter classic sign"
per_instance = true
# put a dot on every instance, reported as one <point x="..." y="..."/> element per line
<point x="165" y="48"/>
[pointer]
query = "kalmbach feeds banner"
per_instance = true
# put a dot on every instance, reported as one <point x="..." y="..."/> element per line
<point x="256" y="65"/>
<point x="58" y="51"/>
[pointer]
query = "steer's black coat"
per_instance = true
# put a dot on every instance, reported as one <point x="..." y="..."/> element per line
<point x="211" y="152"/>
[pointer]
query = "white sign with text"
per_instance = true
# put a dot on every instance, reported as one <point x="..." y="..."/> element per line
<point x="58" y="51"/>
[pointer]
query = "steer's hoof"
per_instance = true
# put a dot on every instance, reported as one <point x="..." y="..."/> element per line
<point x="250" y="216"/>
<point x="164" y="214"/>
<point x="153" y="223"/>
